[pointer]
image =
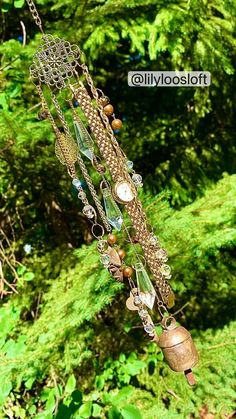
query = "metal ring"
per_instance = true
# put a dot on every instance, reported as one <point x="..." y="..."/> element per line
<point x="165" y="321"/>
<point x="107" y="185"/>
<point x="162" y="309"/>
<point x="95" y="225"/>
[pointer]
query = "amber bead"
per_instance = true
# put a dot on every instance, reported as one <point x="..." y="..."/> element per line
<point x="121" y="253"/>
<point x="116" y="124"/>
<point x="104" y="100"/>
<point x="108" y="110"/>
<point x="127" y="271"/>
<point x="111" y="239"/>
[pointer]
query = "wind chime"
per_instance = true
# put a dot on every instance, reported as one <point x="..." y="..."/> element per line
<point x="57" y="72"/>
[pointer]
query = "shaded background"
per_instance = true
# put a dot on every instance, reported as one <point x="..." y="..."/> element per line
<point x="69" y="349"/>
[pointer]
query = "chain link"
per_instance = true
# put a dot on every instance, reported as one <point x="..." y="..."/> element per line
<point x="93" y="193"/>
<point x="35" y="14"/>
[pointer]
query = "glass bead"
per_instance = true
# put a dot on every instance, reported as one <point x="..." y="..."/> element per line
<point x="162" y="255"/>
<point x="137" y="300"/>
<point x="105" y="259"/>
<point x="88" y="210"/>
<point x="145" y="287"/>
<point x="81" y="195"/>
<point x="27" y="248"/>
<point x="149" y="328"/>
<point x="84" y="140"/>
<point x="143" y="313"/>
<point x="112" y="210"/>
<point x="165" y="270"/>
<point x="129" y="164"/>
<point x="153" y="240"/>
<point x="76" y="182"/>
<point x="138" y="180"/>
<point x="102" y="245"/>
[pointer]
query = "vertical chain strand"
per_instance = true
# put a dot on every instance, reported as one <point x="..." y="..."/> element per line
<point x="35" y="14"/>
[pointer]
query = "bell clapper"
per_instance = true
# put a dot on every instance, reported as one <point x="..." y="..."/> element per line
<point x="190" y="377"/>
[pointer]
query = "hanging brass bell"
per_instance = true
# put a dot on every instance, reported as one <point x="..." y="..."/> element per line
<point x="178" y="348"/>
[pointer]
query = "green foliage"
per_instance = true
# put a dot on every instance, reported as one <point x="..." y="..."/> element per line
<point x="154" y="390"/>
<point x="118" y="373"/>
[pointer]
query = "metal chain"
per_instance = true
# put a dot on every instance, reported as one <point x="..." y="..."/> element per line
<point x="35" y="14"/>
<point x="93" y="193"/>
<point x="103" y="116"/>
<point x="82" y="167"/>
<point x="63" y="154"/>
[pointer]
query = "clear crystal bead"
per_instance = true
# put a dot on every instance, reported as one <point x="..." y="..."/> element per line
<point x="81" y="195"/>
<point x="84" y="140"/>
<point x="129" y="164"/>
<point x="112" y="210"/>
<point x="88" y="210"/>
<point x="102" y="245"/>
<point x="143" y="313"/>
<point x="146" y="289"/>
<point x="137" y="300"/>
<point x="138" y="180"/>
<point x="165" y="270"/>
<point x="153" y="240"/>
<point x="162" y="255"/>
<point x="149" y="328"/>
<point x="76" y="182"/>
<point x="105" y="259"/>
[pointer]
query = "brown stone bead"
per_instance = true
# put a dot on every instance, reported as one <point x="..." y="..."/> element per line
<point x="104" y="100"/>
<point x="116" y="124"/>
<point x="111" y="239"/>
<point x="108" y="109"/>
<point x="121" y="253"/>
<point x="127" y="271"/>
<point x="42" y="115"/>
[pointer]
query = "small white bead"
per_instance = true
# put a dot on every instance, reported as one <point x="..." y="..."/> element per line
<point x="76" y="182"/>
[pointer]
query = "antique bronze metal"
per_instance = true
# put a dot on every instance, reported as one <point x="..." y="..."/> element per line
<point x="178" y="348"/>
